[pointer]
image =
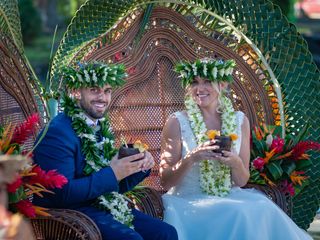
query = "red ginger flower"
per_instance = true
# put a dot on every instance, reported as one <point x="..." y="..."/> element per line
<point x="258" y="163"/>
<point x="12" y="187"/>
<point x="277" y="144"/>
<point x="118" y="56"/>
<point x="287" y="187"/>
<point x="26" y="208"/>
<point x="50" y="179"/>
<point x="25" y="130"/>
<point x="131" y="70"/>
<point x="298" y="151"/>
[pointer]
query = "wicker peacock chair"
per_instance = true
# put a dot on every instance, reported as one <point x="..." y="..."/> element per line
<point x="273" y="66"/>
<point x="276" y="81"/>
<point x="20" y="98"/>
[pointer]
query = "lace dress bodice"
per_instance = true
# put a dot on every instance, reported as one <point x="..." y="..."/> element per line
<point x="190" y="185"/>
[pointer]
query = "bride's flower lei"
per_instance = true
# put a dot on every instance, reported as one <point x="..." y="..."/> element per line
<point x="98" y="155"/>
<point x="215" y="178"/>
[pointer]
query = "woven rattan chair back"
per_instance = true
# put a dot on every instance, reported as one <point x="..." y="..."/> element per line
<point x="153" y="91"/>
<point x="17" y="94"/>
<point x="18" y="100"/>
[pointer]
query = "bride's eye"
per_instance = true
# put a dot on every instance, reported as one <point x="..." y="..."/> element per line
<point x="194" y="83"/>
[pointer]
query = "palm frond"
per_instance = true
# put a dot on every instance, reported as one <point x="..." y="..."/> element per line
<point x="10" y="22"/>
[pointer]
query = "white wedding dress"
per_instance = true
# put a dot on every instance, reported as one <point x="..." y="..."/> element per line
<point x="243" y="214"/>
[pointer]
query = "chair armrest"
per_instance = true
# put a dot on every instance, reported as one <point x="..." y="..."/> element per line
<point x="282" y="200"/>
<point x="148" y="201"/>
<point x="65" y="224"/>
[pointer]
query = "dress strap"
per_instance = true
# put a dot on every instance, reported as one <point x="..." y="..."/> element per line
<point x="187" y="135"/>
<point x="239" y="121"/>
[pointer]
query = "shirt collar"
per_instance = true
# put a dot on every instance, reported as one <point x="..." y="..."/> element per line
<point x="90" y="122"/>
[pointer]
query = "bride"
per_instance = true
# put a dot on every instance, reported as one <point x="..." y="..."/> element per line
<point x="205" y="200"/>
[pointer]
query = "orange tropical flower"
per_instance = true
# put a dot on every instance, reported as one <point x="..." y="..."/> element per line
<point x="296" y="178"/>
<point x="141" y="146"/>
<point x="269" y="155"/>
<point x="211" y="134"/>
<point x="288" y="154"/>
<point x="41" y="211"/>
<point x="257" y="132"/>
<point x="268" y="180"/>
<point x="233" y="136"/>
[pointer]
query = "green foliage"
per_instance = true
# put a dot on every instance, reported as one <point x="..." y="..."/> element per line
<point x="67" y="9"/>
<point x="30" y="20"/>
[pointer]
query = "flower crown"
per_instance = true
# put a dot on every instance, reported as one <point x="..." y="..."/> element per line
<point x="95" y="74"/>
<point x="212" y="69"/>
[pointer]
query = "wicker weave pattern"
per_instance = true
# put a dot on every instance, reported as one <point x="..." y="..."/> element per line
<point x="64" y="224"/>
<point x="10" y="23"/>
<point x="18" y="98"/>
<point x="140" y="109"/>
<point x="284" y="50"/>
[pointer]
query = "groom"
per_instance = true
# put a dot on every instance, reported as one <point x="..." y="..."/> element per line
<point x="79" y="144"/>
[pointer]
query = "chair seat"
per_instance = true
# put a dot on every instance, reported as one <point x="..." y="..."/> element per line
<point x="65" y="224"/>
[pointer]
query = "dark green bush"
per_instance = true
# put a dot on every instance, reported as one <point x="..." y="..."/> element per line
<point x="30" y="20"/>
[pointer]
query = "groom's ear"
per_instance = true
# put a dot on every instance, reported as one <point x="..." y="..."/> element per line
<point x="76" y="94"/>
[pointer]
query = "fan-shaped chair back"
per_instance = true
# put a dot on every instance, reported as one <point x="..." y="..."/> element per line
<point x="153" y="90"/>
<point x="276" y="82"/>
<point x="18" y="97"/>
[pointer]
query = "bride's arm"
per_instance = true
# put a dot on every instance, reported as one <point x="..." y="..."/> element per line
<point x="172" y="167"/>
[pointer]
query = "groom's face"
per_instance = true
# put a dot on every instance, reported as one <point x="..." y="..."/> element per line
<point x="95" y="100"/>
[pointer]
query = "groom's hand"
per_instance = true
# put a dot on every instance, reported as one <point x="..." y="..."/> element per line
<point x="127" y="166"/>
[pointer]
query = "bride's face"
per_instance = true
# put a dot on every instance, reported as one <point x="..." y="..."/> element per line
<point x="203" y="93"/>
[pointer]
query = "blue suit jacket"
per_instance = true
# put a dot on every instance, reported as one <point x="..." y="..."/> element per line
<point x="61" y="149"/>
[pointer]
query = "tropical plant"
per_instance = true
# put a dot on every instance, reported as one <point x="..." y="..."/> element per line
<point x="281" y="162"/>
<point x="31" y="178"/>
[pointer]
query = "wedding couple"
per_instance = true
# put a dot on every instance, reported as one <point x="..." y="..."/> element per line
<point x="205" y="200"/>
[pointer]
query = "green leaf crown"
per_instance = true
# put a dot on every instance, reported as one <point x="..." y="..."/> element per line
<point x="94" y="74"/>
<point x="213" y="69"/>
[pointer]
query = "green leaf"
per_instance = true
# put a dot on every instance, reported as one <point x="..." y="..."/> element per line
<point x="301" y="134"/>
<point x="289" y="168"/>
<point x="259" y="146"/>
<point x="298" y="188"/>
<point x="255" y="177"/>
<point x="275" y="170"/>
<point x="303" y="164"/>
<point x="17" y="196"/>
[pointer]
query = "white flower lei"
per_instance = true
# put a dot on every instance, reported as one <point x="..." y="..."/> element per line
<point x="215" y="178"/>
<point x="98" y="155"/>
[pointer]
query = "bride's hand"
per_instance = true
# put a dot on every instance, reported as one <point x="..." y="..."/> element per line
<point x="204" y="151"/>
<point x="230" y="159"/>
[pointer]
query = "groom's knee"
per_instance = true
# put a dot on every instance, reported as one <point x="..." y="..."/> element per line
<point x="167" y="232"/>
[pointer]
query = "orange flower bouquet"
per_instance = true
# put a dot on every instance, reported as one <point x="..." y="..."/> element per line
<point x="280" y="162"/>
<point x="31" y="179"/>
<point x="224" y="142"/>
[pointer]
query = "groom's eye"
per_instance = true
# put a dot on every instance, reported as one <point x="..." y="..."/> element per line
<point x="93" y="90"/>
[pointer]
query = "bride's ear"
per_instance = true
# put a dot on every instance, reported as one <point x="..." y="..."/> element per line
<point x="223" y="86"/>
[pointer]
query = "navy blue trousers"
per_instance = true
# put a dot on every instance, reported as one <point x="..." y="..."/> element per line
<point x="145" y="227"/>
